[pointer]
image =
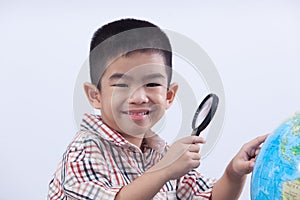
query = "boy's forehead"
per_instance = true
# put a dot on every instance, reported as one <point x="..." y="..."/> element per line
<point x="142" y="64"/>
<point x="141" y="72"/>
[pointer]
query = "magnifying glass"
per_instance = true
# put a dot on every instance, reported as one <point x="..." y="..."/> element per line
<point x="204" y="113"/>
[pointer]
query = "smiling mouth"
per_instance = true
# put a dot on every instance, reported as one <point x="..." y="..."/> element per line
<point x="138" y="115"/>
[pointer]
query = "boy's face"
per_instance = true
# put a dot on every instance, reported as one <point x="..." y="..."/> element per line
<point x="134" y="93"/>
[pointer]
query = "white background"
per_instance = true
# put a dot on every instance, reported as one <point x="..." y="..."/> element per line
<point x="255" y="46"/>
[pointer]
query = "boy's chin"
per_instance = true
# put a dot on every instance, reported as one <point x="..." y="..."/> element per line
<point x="135" y="129"/>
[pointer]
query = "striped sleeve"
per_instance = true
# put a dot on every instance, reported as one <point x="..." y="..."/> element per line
<point x="195" y="186"/>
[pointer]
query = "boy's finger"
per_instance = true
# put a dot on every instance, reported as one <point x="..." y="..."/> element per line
<point x="257" y="151"/>
<point x="196" y="156"/>
<point x="247" y="167"/>
<point x="198" y="139"/>
<point x="192" y="140"/>
<point x="194" y="148"/>
<point x="257" y="141"/>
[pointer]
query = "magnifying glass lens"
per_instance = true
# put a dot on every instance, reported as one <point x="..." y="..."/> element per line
<point x="204" y="113"/>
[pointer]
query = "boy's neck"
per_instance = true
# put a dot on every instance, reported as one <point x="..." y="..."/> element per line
<point x="136" y="140"/>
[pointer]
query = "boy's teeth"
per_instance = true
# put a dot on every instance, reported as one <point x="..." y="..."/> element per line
<point x="137" y="113"/>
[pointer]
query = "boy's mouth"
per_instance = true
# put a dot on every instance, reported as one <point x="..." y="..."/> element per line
<point x="138" y="114"/>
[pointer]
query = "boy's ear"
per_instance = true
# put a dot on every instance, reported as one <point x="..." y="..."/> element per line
<point x="93" y="95"/>
<point x="171" y="94"/>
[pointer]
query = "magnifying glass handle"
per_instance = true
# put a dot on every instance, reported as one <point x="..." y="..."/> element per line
<point x="194" y="133"/>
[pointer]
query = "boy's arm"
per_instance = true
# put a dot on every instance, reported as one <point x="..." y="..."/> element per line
<point x="182" y="157"/>
<point x="144" y="187"/>
<point x="231" y="184"/>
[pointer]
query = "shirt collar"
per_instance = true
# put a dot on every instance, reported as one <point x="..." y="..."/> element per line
<point x="92" y="122"/>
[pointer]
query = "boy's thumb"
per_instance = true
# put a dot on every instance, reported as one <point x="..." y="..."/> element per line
<point x="193" y="140"/>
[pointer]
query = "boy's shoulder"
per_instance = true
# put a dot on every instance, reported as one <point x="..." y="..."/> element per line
<point x="83" y="143"/>
<point x="83" y="137"/>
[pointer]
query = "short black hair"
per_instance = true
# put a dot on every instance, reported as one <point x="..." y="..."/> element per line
<point x="123" y="37"/>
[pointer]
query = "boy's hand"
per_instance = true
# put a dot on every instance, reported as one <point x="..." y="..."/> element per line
<point x="244" y="161"/>
<point x="231" y="184"/>
<point x="181" y="157"/>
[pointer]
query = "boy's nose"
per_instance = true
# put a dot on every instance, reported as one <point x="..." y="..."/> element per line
<point x="138" y="96"/>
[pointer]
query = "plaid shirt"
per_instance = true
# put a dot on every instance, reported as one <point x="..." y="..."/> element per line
<point x="99" y="162"/>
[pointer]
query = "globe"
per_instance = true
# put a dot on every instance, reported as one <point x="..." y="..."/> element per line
<point x="276" y="173"/>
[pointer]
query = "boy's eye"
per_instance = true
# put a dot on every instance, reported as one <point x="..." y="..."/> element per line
<point x="153" y="84"/>
<point x="119" y="85"/>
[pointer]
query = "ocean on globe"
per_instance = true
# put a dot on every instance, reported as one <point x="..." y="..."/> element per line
<point x="276" y="174"/>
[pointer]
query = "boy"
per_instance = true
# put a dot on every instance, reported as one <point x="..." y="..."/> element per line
<point x="116" y="155"/>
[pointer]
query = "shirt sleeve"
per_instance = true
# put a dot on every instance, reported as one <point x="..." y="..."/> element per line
<point x="194" y="185"/>
<point x="84" y="174"/>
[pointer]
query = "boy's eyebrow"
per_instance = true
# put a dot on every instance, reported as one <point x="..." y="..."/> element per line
<point x="124" y="76"/>
<point x="119" y="76"/>
<point x="156" y="75"/>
